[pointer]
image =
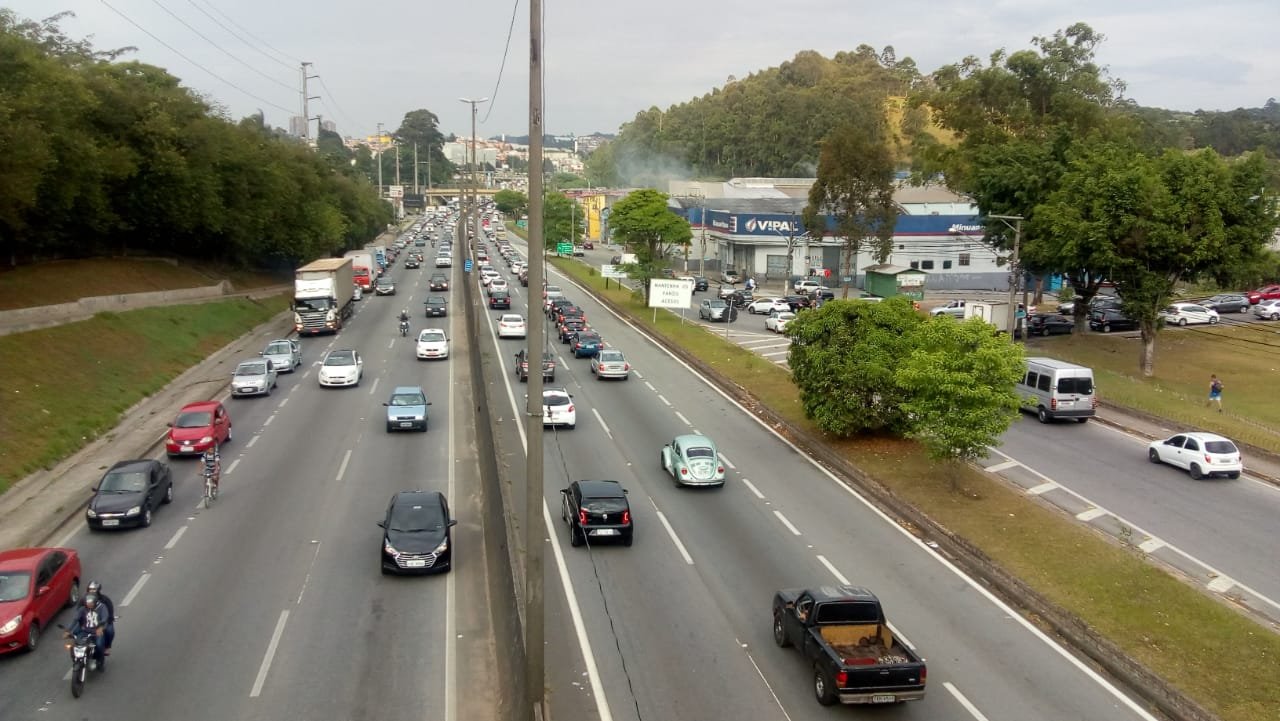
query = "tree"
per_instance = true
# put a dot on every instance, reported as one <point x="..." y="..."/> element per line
<point x="843" y="358"/>
<point x="512" y="203"/>
<point x="959" y="380"/>
<point x="562" y="220"/>
<point x="422" y="127"/>
<point x="643" y="221"/>
<point x="1150" y="223"/>
<point x="855" y="186"/>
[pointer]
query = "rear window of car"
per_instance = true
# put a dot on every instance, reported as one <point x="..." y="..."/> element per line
<point x="847" y="613"/>
<point x="1081" y="386"/>
<point x="699" y="452"/>
<point x="604" y="505"/>
<point x="1220" y="447"/>
<point x="556" y="400"/>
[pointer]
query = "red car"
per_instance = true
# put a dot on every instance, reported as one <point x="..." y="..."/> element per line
<point x="35" y="584"/>
<point x="1266" y="292"/>
<point x="198" y="426"/>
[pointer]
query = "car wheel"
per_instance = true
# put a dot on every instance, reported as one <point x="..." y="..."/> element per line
<point x="1244" y="309"/>
<point x="1106" y="327"/>
<point x="146" y="517"/>
<point x="780" y="632"/>
<point x="1182" y="321"/>
<point x="823" y="688"/>
<point x="168" y="494"/>
<point x="575" y="538"/>
<point x="1042" y="415"/>
<point x="1196" y="473"/>
<point x="73" y="596"/>
<point x="33" y="636"/>
<point x="1045" y="332"/>
<point x="1213" y="319"/>
<point x="1082" y="420"/>
<point x="389" y="429"/>
<point x="627" y="539"/>
<point x="1153" y="456"/>
<point x="1275" y="316"/>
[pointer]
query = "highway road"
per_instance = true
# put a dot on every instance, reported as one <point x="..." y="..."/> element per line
<point x="677" y="626"/>
<point x="271" y="604"/>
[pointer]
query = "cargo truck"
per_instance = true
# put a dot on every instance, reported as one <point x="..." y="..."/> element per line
<point x="322" y="295"/>
<point x="379" y="255"/>
<point x="363" y="268"/>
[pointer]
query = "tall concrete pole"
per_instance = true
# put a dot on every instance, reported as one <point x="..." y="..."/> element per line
<point x="475" y="204"/>
<point x="380" y="189"/>
<point x="534" y="529"/>
<point x="1015" y="272"/>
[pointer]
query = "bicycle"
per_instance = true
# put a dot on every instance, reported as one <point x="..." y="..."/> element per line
<point x="212" y="478"/>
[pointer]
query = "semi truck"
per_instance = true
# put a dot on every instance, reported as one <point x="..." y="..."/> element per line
<point x="363" y="268"/>
<point x="322" y="295"/>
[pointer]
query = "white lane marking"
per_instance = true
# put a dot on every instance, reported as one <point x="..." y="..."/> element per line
<point x="649" y="386"/>
<point x="1003" y="466"/>
<point x="268" y="421"/>
<point x="252" y="441"/>
<point x="664" y="399"/>
<point x="450" y="602"/>
<point x="392" y="344"/>
<point x="776" y="700"/>
<point x="305" y="375"/>
<point x="284" y="402"/>
<point x="271" y="654"/>
<point x="1221" y="584"/>
<point x="342" y="467"/>
<point x="602" y="424"/>
<point x="374" y="388"/>
<point x="684" y="552"/>
<point x="834" y="571"/>
<point x="753" y="488"/>
<point x="973" y="710"/>
<point x="776" y="354"/>
<point x="1091" y="513"/>
<point x="306" y="580"/>
<point x="133" y="592"/>
<point x="1042" y="488"/>
<point x="901" y="638"/>
<point x="1151" y="545"/>
<point x="638" y="374"/>
<point x="681" y="417"/>
<point x="174" y="541"/>
<point x="232" y="468"/>
<point x="727" y="462"/>
<point x="291" y="390"/>
<point x="794" y="531"/>
<point x="973" y="583"/>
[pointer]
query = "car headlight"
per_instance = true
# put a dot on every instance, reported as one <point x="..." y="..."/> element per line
<point x="390" y="549"/>
<point x="11" y="625"/>
<point x="91" y="513"/>
<point x="444" y="546"/>
<point x="134" y="511"/>
<point x="207" y="439"/>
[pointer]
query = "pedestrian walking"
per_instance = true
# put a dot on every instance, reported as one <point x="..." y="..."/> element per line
<point x="1215" y="390"/>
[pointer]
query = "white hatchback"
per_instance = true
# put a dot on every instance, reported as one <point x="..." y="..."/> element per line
<point x="497" y="284"/>
<point x="1200" y="454"/>
<point x="768" y="305"/>
<point x="432" y="343"/>
<point x="1188" y="314"/>
<point x="557" y="408"/>
<point x="778" y="320"/>
<point x="511" y="326"/>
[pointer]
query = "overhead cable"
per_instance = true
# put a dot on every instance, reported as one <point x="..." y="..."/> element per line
<point x="221" y="49"/>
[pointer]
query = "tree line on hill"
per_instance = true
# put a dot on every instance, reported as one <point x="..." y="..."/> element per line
<point x="109" y="156"/>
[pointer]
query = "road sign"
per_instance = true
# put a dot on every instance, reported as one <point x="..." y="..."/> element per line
<point x="395" y="191"/>
<point x="611" y="271"/>
<point x="466" y="266"/>
<point x="564" y="248"/>
<point x="665" y="293"/>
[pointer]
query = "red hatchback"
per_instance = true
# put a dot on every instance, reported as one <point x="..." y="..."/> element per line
<point x="35" y="584"/>
<point x="1267" y="292"/>
<point x="198" y="426"/>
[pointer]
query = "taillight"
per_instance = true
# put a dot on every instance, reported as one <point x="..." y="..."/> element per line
<point x="842" y="679"/>
<point x="1053" y="404"/>
<point x="582" y="517"/>
<point x="1207" y="459"/>
<point x="719" y="469"/>
<point x="571" y="408"/>
<point x="1095" y="401"/>
<point x="626" y="518"/>
<point x="626" y="366"/>
<point x="924" y="674"/>
<point x="684" y="471"/>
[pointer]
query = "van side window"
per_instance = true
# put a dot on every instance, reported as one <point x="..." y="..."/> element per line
<point x="1031" y="378"/>
<point x="1045" y="380"/>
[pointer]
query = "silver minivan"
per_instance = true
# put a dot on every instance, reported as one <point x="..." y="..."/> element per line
<point x="1056" y="389"/>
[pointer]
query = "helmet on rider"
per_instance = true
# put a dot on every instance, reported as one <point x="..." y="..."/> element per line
<point x="95" y="588"/>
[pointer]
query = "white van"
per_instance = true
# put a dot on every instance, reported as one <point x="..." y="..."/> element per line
<point x="1057" y="389"/>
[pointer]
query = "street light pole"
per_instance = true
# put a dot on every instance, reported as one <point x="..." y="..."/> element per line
<point x="475" y="187"/>
<point x="1014" y="267"/>
<point x="379" y="160"/>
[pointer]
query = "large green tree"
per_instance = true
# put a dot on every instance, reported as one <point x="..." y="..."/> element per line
<point x="562" y="220"/>
<point x="1150" y="223"/>
<point x="420" y="127"/>
<point x="512" y="203"/>
<point x="643" y="221"/>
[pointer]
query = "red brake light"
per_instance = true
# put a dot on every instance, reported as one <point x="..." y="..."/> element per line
<point x="582" y="517"/>
<point x="1207" y="458"/>
<point x="924" y="673"/>
<point x="719" y="469"/>
<point x="684" y="471"/>
<point x="626" y="518"/>
<point x="1053" y="404"/>
<point x="571" y="408"/>
<point x="842" y="679"/>
<point x="626" y="366"/>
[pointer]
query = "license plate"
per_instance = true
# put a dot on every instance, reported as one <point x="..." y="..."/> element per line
<point x="406" y="424"/>
<point x="883" y="698"/>
<point x="187" y="449"/>
<point x="248" y="390"/>
<point x="416" y="564"/>
<point x="111" y="522"/>
<point x="604" y="532"/>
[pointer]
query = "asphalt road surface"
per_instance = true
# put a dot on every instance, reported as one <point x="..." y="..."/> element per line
<point x="271" y="604"/>
<point x="678" y="626"/>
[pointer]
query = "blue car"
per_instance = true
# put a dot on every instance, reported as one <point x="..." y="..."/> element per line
<point x="586" y="344"/>
<point x="407" y="409"/>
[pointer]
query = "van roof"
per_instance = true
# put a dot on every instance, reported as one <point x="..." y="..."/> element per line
<point x="1055" y="364"/>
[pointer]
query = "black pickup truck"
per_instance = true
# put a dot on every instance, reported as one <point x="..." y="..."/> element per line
<point x="843" y="635"/>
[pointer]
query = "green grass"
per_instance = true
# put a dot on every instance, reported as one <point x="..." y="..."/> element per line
<point x="1224" y="660"/>
<point x="1245" y="357"/>
<point x="64" y="386"/>
<point x="66" y="281"/>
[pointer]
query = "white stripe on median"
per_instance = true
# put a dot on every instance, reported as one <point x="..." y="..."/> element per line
<point x="342" y="467"/>
<point x="271" y="654"/>
<point x="133" y="592"/>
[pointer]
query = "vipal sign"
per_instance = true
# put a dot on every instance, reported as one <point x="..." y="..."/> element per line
<point x="766" y="225"/>
<point x="666" y="293"/>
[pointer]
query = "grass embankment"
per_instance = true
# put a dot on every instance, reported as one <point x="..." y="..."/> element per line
<point x="1246" y="357"/>
<point x="63" y="386"/>
<point x="66" y="281"/>
<point x="1226" y="661"/>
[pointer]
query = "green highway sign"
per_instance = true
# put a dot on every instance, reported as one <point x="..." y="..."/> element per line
<point x="564" y="248"/>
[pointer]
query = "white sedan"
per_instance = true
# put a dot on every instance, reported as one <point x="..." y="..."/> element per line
<point x="1201" y="454"/>
<point x="432" y="343"/>
<point x="557" y="408"/>
<point x="487" y="277"/>
<point x="1268" y="309"/>
<point x="778" y="320"/>
<point x="767" y="305"/>
<point x="1188" y="314"/>
<point x="341" y="368"/>
<point x="497" y="284"/>
<point x="511" y="326"/>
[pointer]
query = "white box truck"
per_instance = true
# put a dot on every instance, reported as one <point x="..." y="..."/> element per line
<point x="322" y="295"/>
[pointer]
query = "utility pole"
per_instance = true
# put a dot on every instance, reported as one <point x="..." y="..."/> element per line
<point x="534" y="529"/>
<point x="475" y="188"/>
<point x="379" y="160"/>
<point x="416" y="189"/>
<point x="306" y="114"/>
<point x="1015" y="270"/>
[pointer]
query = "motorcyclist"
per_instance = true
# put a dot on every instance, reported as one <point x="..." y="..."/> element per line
<point x="213" y="466"/>
<point x="91" y="618"/>
<point x="404" y="315"/>
<point x="95" y="589"/>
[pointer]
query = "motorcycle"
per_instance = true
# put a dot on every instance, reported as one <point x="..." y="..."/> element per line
<point x="83" y="645"/>
<point x="404" y="328"/>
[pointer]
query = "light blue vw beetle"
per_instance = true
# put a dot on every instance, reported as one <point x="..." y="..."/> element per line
<point x="693" y="461"/>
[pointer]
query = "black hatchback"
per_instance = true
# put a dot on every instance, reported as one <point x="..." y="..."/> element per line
<point x="129" y="493"/>
<point x="416" y="534"/>
<point x="1047" y="324"/>
<point x="1109" y="319"/>
<point x="595" y="511"/>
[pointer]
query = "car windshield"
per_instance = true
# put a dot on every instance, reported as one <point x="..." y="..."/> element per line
<point x="553" y="289"/>
<point x="278" y="349"/>
<point x="1080" y="386"/>
<point x="14" y="585"/>
<point x="431" y="336"/>
<point x="1220" y="447"/>
<point x="413" y="518"/>
<point x="340" y="359"/>
<point x="716" y="303"/>
<point x="699" y="452"/>
<point x="251" y="369"/>
<point x="308" y="304"/>
<point x="555" y="399"/>
<point x="385" y="281"/>
<point x="435" y="300"/>
<point x="131" y="481"/>
<point x="604" y="505"/>
<point x="195" y="419"/>
<point x="408" y="399"/>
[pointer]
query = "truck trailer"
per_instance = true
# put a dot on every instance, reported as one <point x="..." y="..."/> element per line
<point x="322" y="295"/>
<point x="364" y="268"/>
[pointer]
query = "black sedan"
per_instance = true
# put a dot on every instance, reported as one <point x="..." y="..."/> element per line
<point x="700" y="284"/>
<point x="500" y="300"/>
<point x="438" y="282"/>
<point x="596" y="510"/>
<point x="1047" y="324"/>
<point x="416" y="536"/>
<point x="1228" y="303"/>
<point x="798" y="301"/>
<point x="129" y="493"/>
<point x="437" y="306"/>
<point x="412" y="263"/>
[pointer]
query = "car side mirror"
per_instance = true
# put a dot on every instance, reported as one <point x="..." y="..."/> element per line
<point x="43" y="590"/>
<point x="564" y="491"/>
<point x="625" y="491"/>
<point x="262" y="352"/>
<point x="453" y="522"/>
<point x="94" y="488"/>
<point x="170" y="424"/>
<point x="382" y="524"/>
<point x="386" y="404"/>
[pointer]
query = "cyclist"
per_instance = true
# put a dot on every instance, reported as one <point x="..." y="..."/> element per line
<point x="213" y="466"/>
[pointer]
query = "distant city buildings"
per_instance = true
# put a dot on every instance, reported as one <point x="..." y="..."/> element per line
<point x="297" y="126"/>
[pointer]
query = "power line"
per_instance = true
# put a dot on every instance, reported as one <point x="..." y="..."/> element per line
<point x="494" y="95"/>
<point x="221" y="49"/>
<point x="292" y="59"/>
<point x="189" y="60"/>
<point x="329" y="99"/>
<point x="234" y="34"/>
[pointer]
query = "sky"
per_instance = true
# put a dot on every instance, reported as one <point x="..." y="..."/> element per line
<point x="605" y="61"/>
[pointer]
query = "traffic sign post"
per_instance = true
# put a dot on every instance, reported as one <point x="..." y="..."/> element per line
<point x="466" y="266"/>
<point x="564" y="248"/>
